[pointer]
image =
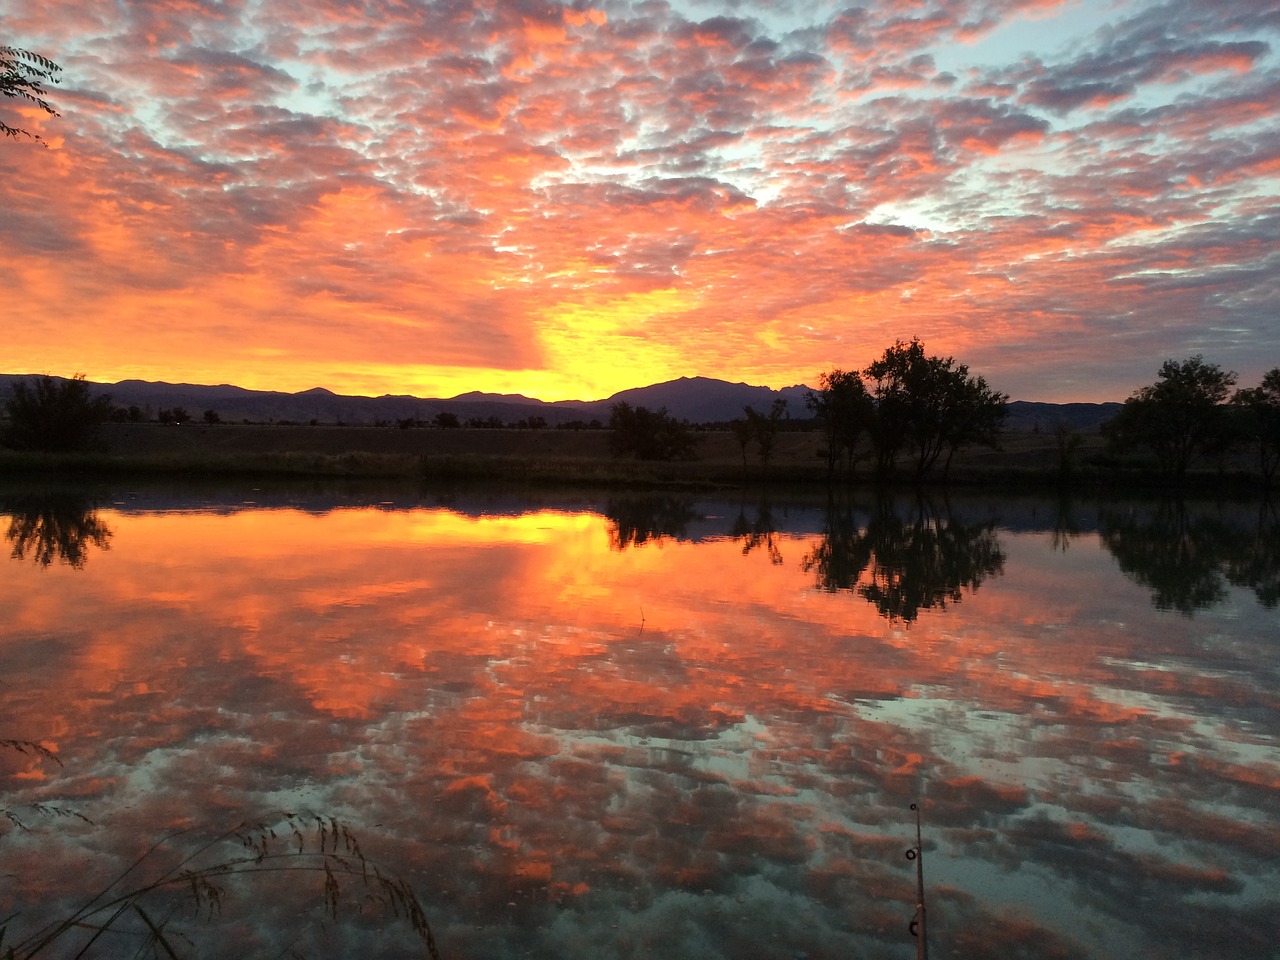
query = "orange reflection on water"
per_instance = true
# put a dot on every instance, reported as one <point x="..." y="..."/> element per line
<point x="543" y="718"/>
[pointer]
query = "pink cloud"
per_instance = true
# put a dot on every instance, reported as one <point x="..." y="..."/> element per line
<point x="510" y="156"/>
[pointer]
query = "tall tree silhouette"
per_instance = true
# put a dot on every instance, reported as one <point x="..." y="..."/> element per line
<point x="931" y="406"/>
<point x="1261" y="407"/>
<point x="1180" y="418"/>
<point x="845" y="411"/>
<point x="54" y="415"/>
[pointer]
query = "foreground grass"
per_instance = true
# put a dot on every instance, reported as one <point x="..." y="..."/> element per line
<point x="553" y="457"/>
<point x="182" y="876"/>
<point x="282" y="464"/>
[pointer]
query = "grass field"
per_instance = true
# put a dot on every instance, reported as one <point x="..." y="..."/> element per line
<point x="377" y="451"/>
<point x="539" y="456"/>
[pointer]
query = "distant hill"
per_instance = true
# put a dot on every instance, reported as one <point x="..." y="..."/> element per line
<point x="234" y="404"/>
<point x="702" y="400"/>
<point x="697" y="399"/>
<point x="1028" y="416"/>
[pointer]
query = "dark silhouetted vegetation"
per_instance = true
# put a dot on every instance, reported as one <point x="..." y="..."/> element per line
<point x="906" y="414"/>
<point x="1068" y="441"/>
<point x="23" y="75"/>
<point x="1181" y="418"/>
<point x="764" y="426"/>
<point x="1260" y="421"/>
<point x="648" y="434"/>
<point x="54" y="416"/>
<point x="844" y="411"/>
<point x="931" y="406"/>
<point x="760" y="428"/>
<point x="908" y="401"/>
<point x="140" y="908"/>
<point x="130" y="414"/>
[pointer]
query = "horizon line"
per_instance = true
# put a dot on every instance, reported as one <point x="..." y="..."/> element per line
<point x="484" y="395"/>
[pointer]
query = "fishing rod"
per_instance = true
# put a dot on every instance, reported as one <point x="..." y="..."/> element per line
<point x="916" y="926"/>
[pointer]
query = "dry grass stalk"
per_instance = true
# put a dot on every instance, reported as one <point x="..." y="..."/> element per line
<point x="292" y="844"/>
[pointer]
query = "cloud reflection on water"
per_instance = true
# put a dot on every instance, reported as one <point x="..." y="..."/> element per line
<point x="681" y="747"/>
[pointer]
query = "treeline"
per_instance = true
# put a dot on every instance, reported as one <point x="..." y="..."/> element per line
<point x="447" y="420"/>
<point x="904" y="403"/>
<point x="57" y="416"/>
<point x="1191" y="415"/>
<point x="906" y="407"/>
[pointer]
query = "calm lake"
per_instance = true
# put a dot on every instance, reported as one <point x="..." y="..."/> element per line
<point x="625" y="726"/>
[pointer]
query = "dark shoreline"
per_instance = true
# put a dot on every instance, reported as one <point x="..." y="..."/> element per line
<point x="1026" y="462"/>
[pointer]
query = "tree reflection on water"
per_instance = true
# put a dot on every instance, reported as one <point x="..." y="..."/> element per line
<point x="1188" y="556"/>
<point x="54" y="526"/>
<point x="637" y="520"/>
<point x="757" y="533"/>
<point x="468" y="689"/>
<point x="904" y="560"/>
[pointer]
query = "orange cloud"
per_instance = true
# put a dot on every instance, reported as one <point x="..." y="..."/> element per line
<point x="397" y="203"/>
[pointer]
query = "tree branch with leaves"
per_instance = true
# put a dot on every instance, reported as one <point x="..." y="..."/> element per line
<point x="23" y="75"/>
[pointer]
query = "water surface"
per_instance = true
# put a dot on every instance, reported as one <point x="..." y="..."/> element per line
<point x="657" y="726"/>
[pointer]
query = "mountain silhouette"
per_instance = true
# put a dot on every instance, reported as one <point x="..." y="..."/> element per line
<point x="696" y="399"/>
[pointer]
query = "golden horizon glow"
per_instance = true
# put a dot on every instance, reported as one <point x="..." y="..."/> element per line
<point x="569" y="203"/>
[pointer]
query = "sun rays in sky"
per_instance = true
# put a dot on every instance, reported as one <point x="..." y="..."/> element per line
<point x="568" y="200"/>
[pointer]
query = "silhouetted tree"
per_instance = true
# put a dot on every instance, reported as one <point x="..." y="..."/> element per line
<point x="211" y="417"/>
<point x="54" y="415"/>
<point x="1068" y="441"/>
<point x="975" y="414"/>
<point x="1261" y="409"/>
<point x="22" y="76"/>
<point x="844" y="410"/>
<point x="931" y="406"/>
<point x="648" y="434"/>
<point x="764" y="427"/>
<point x="744" y="432"/>
<point x="1180" y="418"/>
<point x="446" y="420"/>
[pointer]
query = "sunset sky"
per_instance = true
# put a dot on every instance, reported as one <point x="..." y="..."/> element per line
<point x="564" y="201"/>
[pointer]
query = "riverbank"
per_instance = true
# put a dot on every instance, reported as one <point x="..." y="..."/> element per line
<point x="549" y="456"/>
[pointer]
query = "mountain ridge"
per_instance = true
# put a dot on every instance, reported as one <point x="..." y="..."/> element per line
<point x="697" y="399"/>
